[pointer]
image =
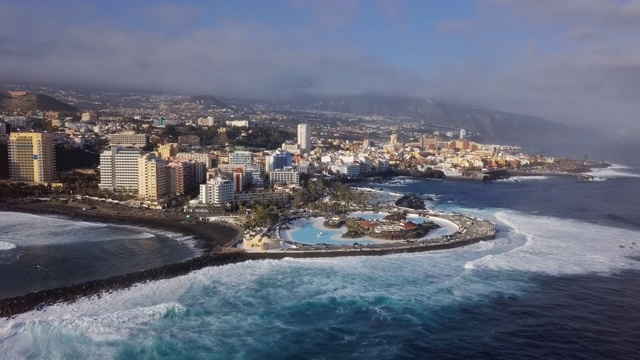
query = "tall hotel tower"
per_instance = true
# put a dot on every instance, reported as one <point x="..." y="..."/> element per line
<point x="304" y="138"/>
<point x="32" y="157"/>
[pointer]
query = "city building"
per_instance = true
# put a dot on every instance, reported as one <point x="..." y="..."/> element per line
<point x="32" y="157"/>
<point x="236" y="173"/>
<point x="167" y="151"/>
<point x="291" y="146"/>
<point x="51" y="115"/>
<point x="152" y="178"/>
<point x="217" y="191"/>
<point x="159" y="122"/>
<point x="181" y="177"/>
<point x="129" y="140"/>
<point x="463" y="133"/>
<point x="191" y="140"/>
<point x="5" y="130"/>
<point x="255" y="173"/>
<point x="286" y="175"/>
<point x="199" y="172"/>
<point x="304" y="138"/>
<point x="18" y="122"/>
<point x="119" y="169"/>
<point x="263" y="197"/>
<point x="239" y="123"/>
<point x="208" y="121"/>
<point x="394" y="139"/>
<point x="241" y="158"/>
<point x="429" y="143"/>
<point x="88" y="117"/>
<point x="205" y="158"/>
<point x="350" y="170"/>
<point x="278" y="160"/>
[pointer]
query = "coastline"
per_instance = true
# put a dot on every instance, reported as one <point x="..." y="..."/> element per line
<point x="210" y="236"/>
<point x="216" y="236"/>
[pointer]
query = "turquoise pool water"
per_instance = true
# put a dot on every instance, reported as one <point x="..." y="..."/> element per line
<point x="313" y="232"/>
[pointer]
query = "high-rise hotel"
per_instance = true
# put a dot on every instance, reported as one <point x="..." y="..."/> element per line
<point x="32" y="157"/>
<point x="304" y="139"/>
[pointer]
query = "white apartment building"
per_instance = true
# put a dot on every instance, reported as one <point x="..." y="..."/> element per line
<point x="304" y="139"/>
<point x="239" y="123"/>
<point x="208" y="121"/>
<point x="152" y="178"/>
<point x="287" y="175"/>
<point x="217" y="191"/>
<point x="119" y="169"/>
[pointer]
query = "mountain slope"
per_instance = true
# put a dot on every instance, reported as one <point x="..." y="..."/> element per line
<point x="26" y="101"/>
<point x="488" y="123"/>
<point x="209" y="101"/>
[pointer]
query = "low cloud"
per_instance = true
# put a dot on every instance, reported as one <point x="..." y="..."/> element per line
<point x="575" y="61"/>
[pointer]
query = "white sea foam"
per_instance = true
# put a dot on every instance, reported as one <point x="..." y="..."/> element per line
<point x="144" y="235"/>
<point x="561" y="246"/>
<point x="613" y="172"/>
<point x="5" y="245"/>
<point x="524" y="178"/>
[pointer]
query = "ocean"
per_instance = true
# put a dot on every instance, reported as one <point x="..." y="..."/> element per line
<point x="561" y="281"/>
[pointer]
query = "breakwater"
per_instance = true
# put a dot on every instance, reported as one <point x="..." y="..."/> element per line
<point x="40" y="299"/>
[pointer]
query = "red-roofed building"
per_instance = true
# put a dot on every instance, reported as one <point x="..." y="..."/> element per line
<point x="410" y="226"/>
<point x="369" y="224"/>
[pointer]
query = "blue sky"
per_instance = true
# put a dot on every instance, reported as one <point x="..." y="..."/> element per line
<point x="576" y="61"/>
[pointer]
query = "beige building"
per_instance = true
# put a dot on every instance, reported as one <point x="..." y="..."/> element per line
<point x="32" y="157"/>
<point x="167" y="151"/>
<point x="152" y="178"/>
<point x="394" y="139"/>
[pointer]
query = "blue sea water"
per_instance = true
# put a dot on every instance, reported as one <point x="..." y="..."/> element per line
<point x="555" y="284"/>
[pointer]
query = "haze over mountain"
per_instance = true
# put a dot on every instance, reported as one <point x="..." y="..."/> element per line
<point x="209" y="101"/>
<point x="569" y="61"/>
<point x="32" y="101"/>
<point x="490" y="124"/>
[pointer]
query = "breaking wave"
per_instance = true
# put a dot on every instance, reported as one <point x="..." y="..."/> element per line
<point x="227" y="308"/>
<point x="524" y="178"/>
<point x="614" y="171"/>
<point x="5" y="245"/>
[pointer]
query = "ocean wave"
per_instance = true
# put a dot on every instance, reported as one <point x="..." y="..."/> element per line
<point x="292" y="297"/>
<point x="144" y="235"/>
<point x="562" y="247"/>
<point x="5" y="245"/>
<point x="613" y="172"/>
<point x="524" y="178"/>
